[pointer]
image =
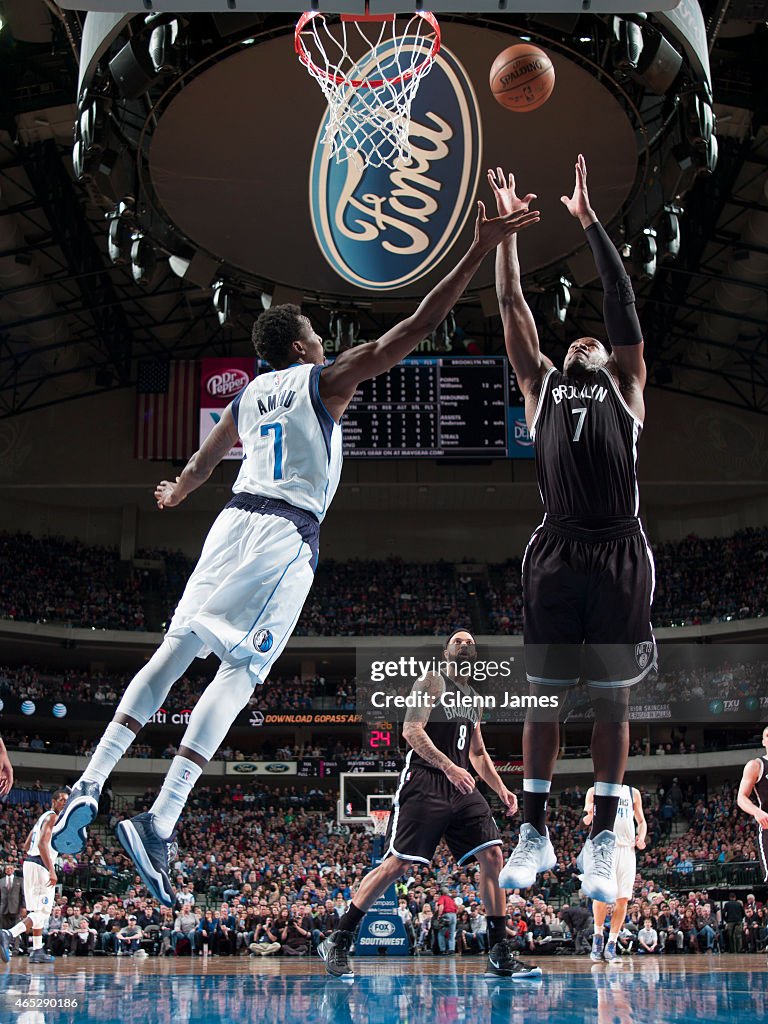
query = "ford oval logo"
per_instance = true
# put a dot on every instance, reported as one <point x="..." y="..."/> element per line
<point x="382" y="228"/>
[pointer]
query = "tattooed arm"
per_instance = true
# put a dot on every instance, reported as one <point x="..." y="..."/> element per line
<point x="415" y="734"/>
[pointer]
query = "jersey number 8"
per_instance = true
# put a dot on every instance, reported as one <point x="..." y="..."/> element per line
<point x="462" y="741"/>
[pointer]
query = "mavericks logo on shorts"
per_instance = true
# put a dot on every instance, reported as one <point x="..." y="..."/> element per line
<point x="262" y="640"/>
<point x="644" y="654"/>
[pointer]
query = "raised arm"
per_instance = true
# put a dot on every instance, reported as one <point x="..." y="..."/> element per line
<point x="339" y="381"/>
<point x="619" y="313"/>
<point x="748" y="782"/>
<point x="169" y="493"/>
<point x="520" y="335"/>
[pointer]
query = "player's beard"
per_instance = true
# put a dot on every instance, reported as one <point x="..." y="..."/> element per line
<point x="579" y="368"/>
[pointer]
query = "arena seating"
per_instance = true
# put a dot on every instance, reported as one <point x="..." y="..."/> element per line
<point x="698" y="581"/>
<point x="263" y="851"/>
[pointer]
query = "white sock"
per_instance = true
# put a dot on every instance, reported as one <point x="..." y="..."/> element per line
<point x="37" y="942"/>
<point x="167" y="808"/>
<point x="112" y="745"/>
<point x="18" y="929"/>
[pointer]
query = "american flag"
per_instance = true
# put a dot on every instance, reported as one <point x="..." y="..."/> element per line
<point x="166" y="409"/>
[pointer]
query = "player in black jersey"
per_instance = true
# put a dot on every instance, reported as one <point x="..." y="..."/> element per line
<point x="587" y="570"/>
<point x="754" y="783"/>
<point x="436" y="797"/>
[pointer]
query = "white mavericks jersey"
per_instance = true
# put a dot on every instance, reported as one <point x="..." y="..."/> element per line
<point x="291" y="443"/>
<point x="624" y="827"/>
<point x="34" y="844"/>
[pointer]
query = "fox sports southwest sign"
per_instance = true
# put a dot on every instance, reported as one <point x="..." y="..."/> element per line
<point x="382" y="229"/>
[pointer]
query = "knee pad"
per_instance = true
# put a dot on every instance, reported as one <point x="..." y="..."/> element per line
<point x="39" y="919"/>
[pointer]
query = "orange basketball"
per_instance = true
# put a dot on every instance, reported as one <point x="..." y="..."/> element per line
<point x="522" y="78"/>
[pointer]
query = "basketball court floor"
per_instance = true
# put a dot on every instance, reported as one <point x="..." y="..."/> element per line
<point x="706" y="988"/>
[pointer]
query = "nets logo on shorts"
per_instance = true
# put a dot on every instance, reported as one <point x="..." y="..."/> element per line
<point x="644" y="654"/>
<point x="263" y="641"/>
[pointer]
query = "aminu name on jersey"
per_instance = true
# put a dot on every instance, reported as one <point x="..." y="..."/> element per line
<point x="281" y="399"/>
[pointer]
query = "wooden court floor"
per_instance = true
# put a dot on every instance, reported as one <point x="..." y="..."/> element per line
<point x="427" y="990"/>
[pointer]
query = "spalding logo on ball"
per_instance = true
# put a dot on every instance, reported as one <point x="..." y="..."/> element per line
<point x="522" y="78"/>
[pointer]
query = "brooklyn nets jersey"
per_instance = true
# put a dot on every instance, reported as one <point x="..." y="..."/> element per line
<point x="291" y="444"/>
<point x="585" y="439"/>
<point x="451" y="725"/>
<point x="760" y="791"/>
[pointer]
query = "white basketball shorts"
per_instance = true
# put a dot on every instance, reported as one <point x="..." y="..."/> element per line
<point x="625" y="870"/>
<point x="38" y="892"/>
<point x="246" y="592"/>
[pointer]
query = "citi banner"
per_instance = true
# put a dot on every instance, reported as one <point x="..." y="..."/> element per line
<point x="221" y="381"/>
<point x="382" y="228"/>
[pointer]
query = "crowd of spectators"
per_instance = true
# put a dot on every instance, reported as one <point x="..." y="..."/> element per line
<point x="52" y="579"/>
<point x="286" y="693"/>
<point x="265" y="871"/>
<point x="388" y="597"/>
<point x="59" y="580"/>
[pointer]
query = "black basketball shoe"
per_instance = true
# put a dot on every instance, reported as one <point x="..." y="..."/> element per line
<point x="335" y="952"/>
<point x="502" y="963"/>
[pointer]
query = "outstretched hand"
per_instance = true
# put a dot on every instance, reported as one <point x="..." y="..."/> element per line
<point x="578" y="204"/>
<point x="490" y="231"/>
<point x="166" y="494"/>
<point x="507" y="200"/>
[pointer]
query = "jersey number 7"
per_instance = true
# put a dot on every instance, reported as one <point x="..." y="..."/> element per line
<point x="277" y="428"/>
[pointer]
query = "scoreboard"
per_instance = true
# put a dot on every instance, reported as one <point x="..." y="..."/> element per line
<point x="461" y="407"/>
<point x="432" y="407"/>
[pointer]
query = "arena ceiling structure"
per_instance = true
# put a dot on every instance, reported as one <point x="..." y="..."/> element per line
<point x="151" y="205"/>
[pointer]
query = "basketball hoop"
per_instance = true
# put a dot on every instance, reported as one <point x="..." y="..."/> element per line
<point x="369" y="71"/>
<point x="380" y="820"/>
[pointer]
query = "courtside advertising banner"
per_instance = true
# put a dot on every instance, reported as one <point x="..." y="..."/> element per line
<point x="221" y="381"/>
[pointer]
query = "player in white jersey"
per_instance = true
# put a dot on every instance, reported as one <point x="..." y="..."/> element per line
<point x="257" y="564"/>
<point x="39" y="884"/>
<point x="629" y="812"/>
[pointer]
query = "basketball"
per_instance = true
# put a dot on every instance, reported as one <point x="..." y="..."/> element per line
<point x="522" y="78"/>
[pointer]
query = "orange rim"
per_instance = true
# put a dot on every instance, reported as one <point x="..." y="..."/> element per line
<point x="364" y="83"/>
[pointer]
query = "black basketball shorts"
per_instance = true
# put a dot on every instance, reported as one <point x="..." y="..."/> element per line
<point x="586" y="606"/>
<point x="427" y="808"/>
<point x="762" y="851"/>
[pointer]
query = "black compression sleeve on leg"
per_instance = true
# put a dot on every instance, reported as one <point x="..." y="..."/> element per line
<point x="619" y="312"/>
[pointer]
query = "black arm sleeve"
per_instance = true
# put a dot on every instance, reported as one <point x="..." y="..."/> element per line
<point x="619" y="311"/>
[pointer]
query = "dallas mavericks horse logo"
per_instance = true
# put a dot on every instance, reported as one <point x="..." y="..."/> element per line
<point x="382" y="228"/>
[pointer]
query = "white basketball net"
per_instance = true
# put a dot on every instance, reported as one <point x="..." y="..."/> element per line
<point x="379" y="820"/>
<point x="369" y="72"/>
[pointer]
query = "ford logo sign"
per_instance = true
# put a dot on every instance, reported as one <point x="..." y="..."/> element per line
<point x="277" y="767"/>
<point x="382" y="228"/>
<point x="244" y="768"/>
